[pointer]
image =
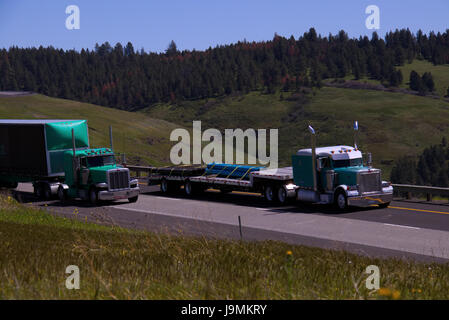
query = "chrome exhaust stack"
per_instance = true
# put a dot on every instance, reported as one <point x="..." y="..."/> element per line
<point x="313" y="143"/>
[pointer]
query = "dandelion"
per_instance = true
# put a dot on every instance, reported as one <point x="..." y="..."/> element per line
<point x="388" y="293"/>
<point x="396" y="294"/>
<point x="384" y="292"/>
<point x="289" y="253"/>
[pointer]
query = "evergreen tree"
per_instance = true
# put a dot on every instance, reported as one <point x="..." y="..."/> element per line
<point x="428" y="81"/>
<point x="172" y="49"/>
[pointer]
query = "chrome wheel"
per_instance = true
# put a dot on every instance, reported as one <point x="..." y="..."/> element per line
<point x="282" y="195"/>
<point x="341" y="201"/>
<point x="269" y="194"/>
<point x="164" y="186"/>
<point x="188" y="188"/>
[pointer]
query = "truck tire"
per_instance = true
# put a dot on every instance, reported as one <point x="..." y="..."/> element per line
<point x="93" y="196"/>
<point x="282" y="195"/>
<point x="133" y="199"/>
<point x="341" y="201"/>
<point x="62" y="194"/>
<point x="189" y="188"/>
<point x="270" y="194"/>
<point x="164" y="186"/>
<point x="47" y="192"/>
<point x="38" y="191"/>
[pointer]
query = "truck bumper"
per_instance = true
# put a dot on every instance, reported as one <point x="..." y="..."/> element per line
<point x="369" y="200"/>
<point x="117" y="195"/>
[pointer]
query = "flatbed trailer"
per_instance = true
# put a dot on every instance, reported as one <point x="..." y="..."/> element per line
<point x="274" y="184"/>
<point x="327" y="175"/>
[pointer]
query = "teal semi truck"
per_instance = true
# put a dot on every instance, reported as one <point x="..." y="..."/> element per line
<point x="329" y="175"/>
<point x="55" y="156"/>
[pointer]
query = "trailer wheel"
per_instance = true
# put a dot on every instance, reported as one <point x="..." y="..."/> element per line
<point x="341" y="200"/>
<point x="164" y="185"/>
<point x="282" y="195"/>
<point x="47" y="192"/>
<point x="38" y="192"/>
<point x="188" y="188"/>
<point x="62" y="194"/>
<point x="269" y="194"/>
<point x="93" y="196"/>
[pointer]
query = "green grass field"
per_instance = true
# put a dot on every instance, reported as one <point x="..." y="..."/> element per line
<point x="440" y="74"/>
<point x="122" y="264"/>
<point x="140" y="137"/>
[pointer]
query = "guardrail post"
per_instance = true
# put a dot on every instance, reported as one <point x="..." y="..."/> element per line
<point x="429" y="197"/>
<point x="408" y="195"/>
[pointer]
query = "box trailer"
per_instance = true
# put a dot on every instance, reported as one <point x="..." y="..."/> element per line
<point x="31" y="149"/>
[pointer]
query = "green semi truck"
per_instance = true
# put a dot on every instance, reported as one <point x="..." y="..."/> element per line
<point x="54" y="155"/>
<point x="328" y="175"/>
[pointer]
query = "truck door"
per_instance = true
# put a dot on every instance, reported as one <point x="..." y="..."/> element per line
<point x="325" y="165"/>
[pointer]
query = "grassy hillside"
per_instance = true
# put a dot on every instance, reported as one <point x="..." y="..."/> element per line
<point x="391" y="124"/>
<point x="440" y="74"/>
<point x="142" y="138"/>
<point x="122" y="264"/>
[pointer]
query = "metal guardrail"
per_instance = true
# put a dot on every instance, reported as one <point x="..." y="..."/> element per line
<point x="408" y="189"/>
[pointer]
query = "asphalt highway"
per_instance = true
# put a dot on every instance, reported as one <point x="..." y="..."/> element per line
<point x="407" y="229"/>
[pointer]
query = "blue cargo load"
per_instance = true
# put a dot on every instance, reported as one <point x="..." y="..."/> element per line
<point x="232" y="171"/>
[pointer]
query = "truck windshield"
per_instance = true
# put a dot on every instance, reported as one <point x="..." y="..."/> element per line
<point x="347" y="163"/>
<point x="100" y="161"/>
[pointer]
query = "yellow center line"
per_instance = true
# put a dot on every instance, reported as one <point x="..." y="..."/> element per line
<point x="421" y="210"/>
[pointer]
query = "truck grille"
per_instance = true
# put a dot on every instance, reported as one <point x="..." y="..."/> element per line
<point x="118" y="179"/>
<point x="370" y="182"/>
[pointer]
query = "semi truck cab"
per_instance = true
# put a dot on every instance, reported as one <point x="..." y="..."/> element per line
<point x="93" y="174"/>
<point x="341" y="177"/>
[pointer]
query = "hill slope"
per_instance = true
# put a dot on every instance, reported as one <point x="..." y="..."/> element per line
<point x="141" y="137"/>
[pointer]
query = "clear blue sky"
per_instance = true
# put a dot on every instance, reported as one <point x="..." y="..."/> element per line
<point x="199" y="24"/>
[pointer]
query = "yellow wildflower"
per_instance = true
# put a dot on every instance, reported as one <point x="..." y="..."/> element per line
<point x="396" y="294"/>
<point x="384" y="292"/>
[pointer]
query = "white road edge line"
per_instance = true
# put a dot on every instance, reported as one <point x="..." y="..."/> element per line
<point x="401" y="226"/>
<point x="166" y="198"/>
